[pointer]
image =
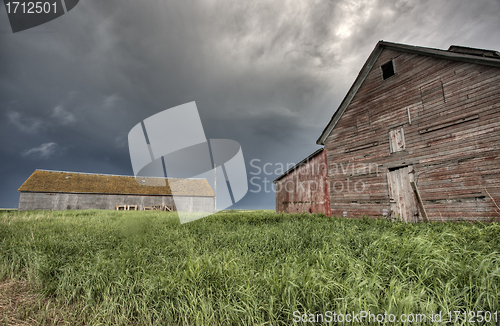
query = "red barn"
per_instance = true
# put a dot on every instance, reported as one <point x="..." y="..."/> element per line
<point x="304" y="187"/>
<point x="417" y="136"/>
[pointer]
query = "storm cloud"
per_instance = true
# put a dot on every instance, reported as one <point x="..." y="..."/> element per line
<point x="268" y="74"/>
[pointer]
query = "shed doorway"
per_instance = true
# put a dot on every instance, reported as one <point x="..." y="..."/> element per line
<point x="402" y="199"/>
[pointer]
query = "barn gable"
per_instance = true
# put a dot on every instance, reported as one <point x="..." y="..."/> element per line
<point x="423" y="118"/>
<point x="375" y="61"/>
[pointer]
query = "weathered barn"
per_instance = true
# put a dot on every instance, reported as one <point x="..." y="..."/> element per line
<point x="58" y="190"/>
<point x="417" y="136"/>
<point x="304" y="187"/>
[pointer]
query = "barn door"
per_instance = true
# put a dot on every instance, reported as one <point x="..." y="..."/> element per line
<point x="403" y="205"/>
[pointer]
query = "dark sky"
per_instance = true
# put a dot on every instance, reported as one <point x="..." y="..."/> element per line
<point x="268" y="74"/>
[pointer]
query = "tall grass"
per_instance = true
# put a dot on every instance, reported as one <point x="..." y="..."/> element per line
<point x="257" y="268"/>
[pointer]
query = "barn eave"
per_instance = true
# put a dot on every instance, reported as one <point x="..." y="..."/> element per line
<point x="296" y="166"/>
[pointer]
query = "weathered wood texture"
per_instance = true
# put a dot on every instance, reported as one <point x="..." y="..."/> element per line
<point x="305" y="189"/>
<point x="401" y="197"/>
<point x="450" y="115"/>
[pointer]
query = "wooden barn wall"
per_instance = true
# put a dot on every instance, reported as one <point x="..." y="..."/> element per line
<point x="305" y="189"/>
<point x="64" y="201"/>
<point x="452" y="142"/>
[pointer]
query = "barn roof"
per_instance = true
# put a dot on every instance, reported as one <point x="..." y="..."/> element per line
<point x="298" y="165"/>
<point x="76" y="182"/>
<point x="455" y="52"/>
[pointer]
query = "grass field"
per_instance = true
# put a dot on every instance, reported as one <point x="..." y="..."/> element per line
<point x="243" y="268"/>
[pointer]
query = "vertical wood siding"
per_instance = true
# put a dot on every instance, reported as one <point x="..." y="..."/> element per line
<point x="452" y="142"/>
<point x="305" y="189"/>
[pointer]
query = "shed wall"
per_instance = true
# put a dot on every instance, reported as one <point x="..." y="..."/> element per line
<point x="450" y="114"/>
<point x="305" y="189"/>
<point x="63" y="201"/>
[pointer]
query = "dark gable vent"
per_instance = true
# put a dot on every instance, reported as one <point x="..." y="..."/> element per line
<point x="388" y="70"/>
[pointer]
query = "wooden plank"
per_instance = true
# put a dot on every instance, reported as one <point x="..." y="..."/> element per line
<point x="410" y="203"/>
<point x="411" y="178"/>
<point x="400" y="140"/>
<point x="392" y="141"/>
<point x="419" y="201"/>
<point x="392" y="195"/>
<point x="364" y="146"/>
<point x="397" y="184"/>
<point x="402" y="197"/>
<point x="399" y="198"/>
<point x="448" y="124"/>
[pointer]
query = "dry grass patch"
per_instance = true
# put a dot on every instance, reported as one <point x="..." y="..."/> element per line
<point x="21" y="304"/>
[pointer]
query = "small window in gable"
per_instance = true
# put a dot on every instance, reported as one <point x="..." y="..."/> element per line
<point x="388" y="69"/>
<point x="397" y="140"/>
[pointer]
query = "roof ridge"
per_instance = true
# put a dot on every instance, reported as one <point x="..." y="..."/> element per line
<point x="116" y="175"/>
<point x="77" y="182"/>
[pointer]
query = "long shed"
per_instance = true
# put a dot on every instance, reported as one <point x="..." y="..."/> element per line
<point x="61" y="190"/>
<point x="417" y="136"/>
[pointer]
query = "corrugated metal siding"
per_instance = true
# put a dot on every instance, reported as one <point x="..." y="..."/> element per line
<point x="305" y="189"/>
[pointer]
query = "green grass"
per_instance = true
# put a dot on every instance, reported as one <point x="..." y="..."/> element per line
<point x="248" y="268"/>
